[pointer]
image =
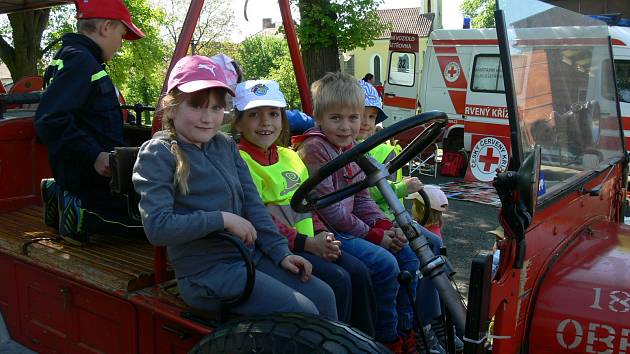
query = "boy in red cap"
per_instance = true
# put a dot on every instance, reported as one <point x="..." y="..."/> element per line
<point x="80" y="121"/>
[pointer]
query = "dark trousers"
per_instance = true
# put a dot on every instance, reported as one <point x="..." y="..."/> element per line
<point x="350" y="280"/>
<point x="427" y="297"/>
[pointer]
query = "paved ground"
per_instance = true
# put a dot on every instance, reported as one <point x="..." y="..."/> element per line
<point x="466" y="227"/>
<point x="7" y="346"/>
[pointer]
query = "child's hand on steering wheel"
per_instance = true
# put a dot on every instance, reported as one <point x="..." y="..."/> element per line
<point x="413" y="184"/>
<point x="240" y="227"/>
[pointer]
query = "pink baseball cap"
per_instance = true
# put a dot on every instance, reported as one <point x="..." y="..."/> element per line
<point x="194" y="73"/>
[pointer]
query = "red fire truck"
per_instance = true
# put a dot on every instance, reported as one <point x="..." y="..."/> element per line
<point x="562" y="284"/>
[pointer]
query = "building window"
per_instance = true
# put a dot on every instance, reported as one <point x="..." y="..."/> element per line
<point x="402" y="68"/>
<point x="487" y="74"/>
<point x="376" y="68"/>
<point x="348" y="64"/>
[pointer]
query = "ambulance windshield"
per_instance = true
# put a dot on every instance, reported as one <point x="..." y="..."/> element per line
<point x="562" y="74"/>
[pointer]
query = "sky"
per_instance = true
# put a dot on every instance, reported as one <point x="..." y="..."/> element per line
<point x="259" y="9"/>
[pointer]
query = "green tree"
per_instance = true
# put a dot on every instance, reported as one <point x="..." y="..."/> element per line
<point x="267" y="57"/>
<point x="214" y="23"/>
<point x="138" y="68"/>
<point x="481" y="12"/>
<point x="228" y="48"/>
<point x="328" y="26"/>
<point x="27" y="30"/>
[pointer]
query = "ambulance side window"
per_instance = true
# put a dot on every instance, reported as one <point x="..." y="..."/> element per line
<point x="487" y="75"/>
<point x="622" y="72"/>
<point x="402" y="68"/>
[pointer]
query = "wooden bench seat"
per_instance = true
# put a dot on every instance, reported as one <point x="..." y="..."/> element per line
<point x="113" y="263"/>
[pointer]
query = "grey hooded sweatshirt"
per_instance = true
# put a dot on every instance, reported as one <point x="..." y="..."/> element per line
<point x="219" y="181"/>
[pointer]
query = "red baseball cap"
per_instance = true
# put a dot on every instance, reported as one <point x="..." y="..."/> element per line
<point x="109" y="9"/>
<point x="196" y="72"/>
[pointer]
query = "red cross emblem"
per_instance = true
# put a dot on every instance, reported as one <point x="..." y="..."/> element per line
<point x="452" y="71"/>
<point x="488" y="159"/>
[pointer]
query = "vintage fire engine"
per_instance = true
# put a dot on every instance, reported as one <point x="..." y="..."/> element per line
<point x="562" y="285"/>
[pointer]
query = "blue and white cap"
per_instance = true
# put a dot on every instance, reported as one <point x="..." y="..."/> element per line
<point x="258" y="93"/>
<point x="372" y="99"/>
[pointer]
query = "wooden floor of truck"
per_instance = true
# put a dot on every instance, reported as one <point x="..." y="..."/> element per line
<point x="112" y="263"/>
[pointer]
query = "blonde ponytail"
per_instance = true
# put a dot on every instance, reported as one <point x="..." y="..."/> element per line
<point x="182" y="168"/>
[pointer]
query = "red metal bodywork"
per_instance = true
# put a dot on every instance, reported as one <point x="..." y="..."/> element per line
<point x="23" y="161"/>
<point x="583" y="304"/>
<point x="296" y="58"/>
<point x="557" y="231"/>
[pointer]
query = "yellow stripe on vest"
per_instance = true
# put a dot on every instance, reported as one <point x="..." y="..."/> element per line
<point x="99" y="75"/>
<point x="58" y="63"/>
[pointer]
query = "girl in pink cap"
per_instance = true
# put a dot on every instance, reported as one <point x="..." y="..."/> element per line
<point x="193" y="184"/>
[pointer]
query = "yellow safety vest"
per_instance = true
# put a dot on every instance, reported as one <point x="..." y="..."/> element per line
<point x="384" y="153"/>
<point x="276" y="184"/>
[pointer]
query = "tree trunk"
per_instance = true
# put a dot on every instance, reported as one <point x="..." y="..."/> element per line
<point x="318" y="58"/>
<point x="27" y="29"/>
<point x="318" y="62"/>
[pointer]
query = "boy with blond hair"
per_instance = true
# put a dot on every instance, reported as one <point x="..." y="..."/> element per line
<point x="80" y="121"/>
<point x="364" y="231"/>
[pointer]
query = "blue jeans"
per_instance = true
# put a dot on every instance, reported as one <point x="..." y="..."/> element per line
<point x="350" y="280"/>
<point x="275" y="290"/>
<point x="393" y="310"/>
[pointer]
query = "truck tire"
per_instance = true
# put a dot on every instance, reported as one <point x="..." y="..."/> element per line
<point x="286" y="333"/>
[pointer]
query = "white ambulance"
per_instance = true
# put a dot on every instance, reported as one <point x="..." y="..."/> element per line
<point x="462" y="76"/>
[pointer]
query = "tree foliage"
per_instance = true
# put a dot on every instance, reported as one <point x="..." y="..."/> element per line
<point x="267" y="57"/>
<point x="328" y="26"/>
<point x="214" y="24"/>
<point x="139" y="68"/>
<point x="481" y="12"/>
<point x="349" y="23"/>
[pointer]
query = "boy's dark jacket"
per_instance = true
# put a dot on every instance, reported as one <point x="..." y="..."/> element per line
<point x="79" y="115"/>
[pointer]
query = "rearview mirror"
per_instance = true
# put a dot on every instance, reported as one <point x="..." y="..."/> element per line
<point x="528" y="179"/>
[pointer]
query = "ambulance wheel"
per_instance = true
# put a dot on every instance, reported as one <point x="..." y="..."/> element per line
<point x="286" y="333"/>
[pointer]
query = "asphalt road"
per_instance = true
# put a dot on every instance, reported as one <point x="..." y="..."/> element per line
<point x="465" y="230"/>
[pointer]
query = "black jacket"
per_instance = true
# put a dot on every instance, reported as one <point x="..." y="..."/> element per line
<point x="79" y="115"/>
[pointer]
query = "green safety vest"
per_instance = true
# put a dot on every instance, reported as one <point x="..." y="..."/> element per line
<point x="276" y="184"/>
<point x="384" y="153"/>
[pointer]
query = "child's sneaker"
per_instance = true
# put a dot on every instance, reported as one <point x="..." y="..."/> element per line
<point x="50" y="191"/>
<point x="71" y="219"/>
<point x="432" y="342"/>
<point x="396" y="347"/>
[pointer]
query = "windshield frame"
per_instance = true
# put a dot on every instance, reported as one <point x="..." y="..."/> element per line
<point x="517" y="126"/>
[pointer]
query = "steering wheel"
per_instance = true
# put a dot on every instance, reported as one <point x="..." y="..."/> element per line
<point x="305" y="200"/>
